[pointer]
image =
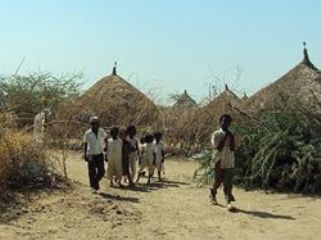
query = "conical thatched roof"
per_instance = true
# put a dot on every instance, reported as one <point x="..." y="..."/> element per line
<point x="223" y="102"/>
<point x="245" y="97"/>
<point x="184" y="101"/>
<point x="296" y="85"/>
<point x="116" y="102"/>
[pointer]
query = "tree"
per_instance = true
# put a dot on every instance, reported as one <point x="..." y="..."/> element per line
<point x="27" y="95"/>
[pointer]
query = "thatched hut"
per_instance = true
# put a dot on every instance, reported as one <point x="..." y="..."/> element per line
<point x="223" y="103"/>
<point x="245" y="97"/>
<point x="115" y="101"/>
<point x="301" y="84"/>
<point x="184" y="101"/>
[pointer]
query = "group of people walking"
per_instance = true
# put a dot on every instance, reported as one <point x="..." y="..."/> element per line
<point x="123" y="152"/>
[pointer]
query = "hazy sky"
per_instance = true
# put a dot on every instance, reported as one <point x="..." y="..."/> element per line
<point x="164" y="45"/>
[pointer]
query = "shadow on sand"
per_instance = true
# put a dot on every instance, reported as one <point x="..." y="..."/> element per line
<point x="119" y="198"/>
<point x="261" y="214"/>
<point x="154" y="185"/>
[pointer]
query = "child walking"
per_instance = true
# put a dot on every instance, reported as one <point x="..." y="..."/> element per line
<point x="131" y="138"/>
<point x="160" y="154"/>
<point x="126" y="150"/>
<point x="223" y="160"/>
<point x="114" y="156"/>
<point x="148" y="158"/>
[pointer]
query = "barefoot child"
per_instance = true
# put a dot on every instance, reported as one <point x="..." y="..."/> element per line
<point x="148" y="158"/>
<point x="160" y="154"/>
<point x="95" y="140"/>
<point x="223" y="160"/>
<point x="114" y="155"/>
<point x="126" y="150"/>
<point x="131" y="138"/>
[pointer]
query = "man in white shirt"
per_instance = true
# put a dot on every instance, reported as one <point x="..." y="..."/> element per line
<point x="223" y="160"/>
<point x="95" y="140"/>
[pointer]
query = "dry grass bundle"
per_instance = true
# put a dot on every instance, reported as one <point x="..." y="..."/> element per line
<point x="23" y="164"/>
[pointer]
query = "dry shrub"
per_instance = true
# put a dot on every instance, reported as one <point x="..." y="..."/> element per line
<point x="23" y="164"/>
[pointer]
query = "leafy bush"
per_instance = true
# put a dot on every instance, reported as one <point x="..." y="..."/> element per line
<point x="27" y="95"/>
<point x="279" y="151"/>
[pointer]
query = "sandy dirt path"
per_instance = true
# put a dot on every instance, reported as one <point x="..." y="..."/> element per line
<point x="173" y="209"/>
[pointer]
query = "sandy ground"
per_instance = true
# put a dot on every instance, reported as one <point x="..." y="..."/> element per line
<point x="173" y="209"/>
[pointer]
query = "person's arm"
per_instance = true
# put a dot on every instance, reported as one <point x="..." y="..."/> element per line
<point x="85" y="144"/>
<point x="232" y="141"/>
<point x="163" y="155"/>
<point x="218" y="140"/>
<point x="85" y="151"/>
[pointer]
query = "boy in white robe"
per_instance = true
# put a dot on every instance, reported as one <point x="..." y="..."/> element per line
<point x="114" y="156"/>
<point x="148" y="158"/>
<point x="160" y="154"/>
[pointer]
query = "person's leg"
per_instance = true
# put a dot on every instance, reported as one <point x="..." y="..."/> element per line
<point x="119" y="171"/>
<point x="95" y="172"/>
<point x="228" y="185"/>
<point x="141" y="169"/>
<point x="133" y="163"/>
<point x="218" y="179"/>
<point x="100" y="168"/>
<point x="91" y="173"/>
<point x="110" y="174"/>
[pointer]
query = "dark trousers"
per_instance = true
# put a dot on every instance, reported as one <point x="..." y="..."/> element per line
<point x="96" y="170"/>
<point x="224" y="176"/>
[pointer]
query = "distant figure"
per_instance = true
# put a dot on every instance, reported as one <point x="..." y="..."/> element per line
<point x="148" y="158"/>
<point x="126" y="150"/>
<point x="95" y="140"/>
<point x="160" y="154"/>
<point x="223" y="160"/>
<point x="141" y="147"/>
<point x="39" y="125"/>
<point x="114" y="156"/>
<point x="131" y="138"/>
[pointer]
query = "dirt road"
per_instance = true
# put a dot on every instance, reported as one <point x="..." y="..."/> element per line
<point x="173" y="209"/>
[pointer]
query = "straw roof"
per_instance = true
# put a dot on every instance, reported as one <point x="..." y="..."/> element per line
<point x="222" y="104"/>
<point x="116" y="102"/>
<point x="296" y="85"/>
<point x="245" y="97"/>
<point x="224" y="101"/>
<point x="185" y="101"/>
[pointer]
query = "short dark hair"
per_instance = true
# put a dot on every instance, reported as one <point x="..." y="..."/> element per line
<point x="131" y="130"/>
<point x="226" y="116"/>
<point x="149" y="138"/>
<point x="114" y="132"/>
<point x="158" y="135"/>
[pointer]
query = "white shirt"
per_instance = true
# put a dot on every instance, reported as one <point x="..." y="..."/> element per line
<point x="95" y="144"/>
<point x="225" y="156"/>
